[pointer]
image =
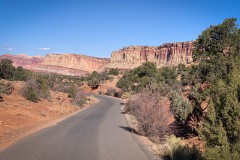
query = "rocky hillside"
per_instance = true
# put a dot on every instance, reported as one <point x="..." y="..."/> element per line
<point x="169" y="54"/>
<point x="65" y="64"/>
<point x="24" y="60"/>
<point x="75" y="61"/>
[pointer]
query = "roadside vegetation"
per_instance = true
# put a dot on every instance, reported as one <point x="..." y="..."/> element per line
<point x="96" y="78"/>
<point x="37" y="86"/>
<point x="171" y="104"/>
<point x="204" y="97"/>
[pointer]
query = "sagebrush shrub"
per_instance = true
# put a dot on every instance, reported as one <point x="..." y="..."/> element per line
<point x="36" y="88"/>
<point x="151" y="113"/>
<point x="111" y="91"/>
<point x="30" y="91"/>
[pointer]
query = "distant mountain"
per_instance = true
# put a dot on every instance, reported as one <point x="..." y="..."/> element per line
<point x="24" y="60"/>
<point x="169" y="54"/>
<point x="65" y="64"/>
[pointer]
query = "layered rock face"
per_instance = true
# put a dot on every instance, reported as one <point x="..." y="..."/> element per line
<point x="77" y="62"/>
<point x="64" y="64"/>
<point x="23" y="60"/>
<point x="169" y="54"/>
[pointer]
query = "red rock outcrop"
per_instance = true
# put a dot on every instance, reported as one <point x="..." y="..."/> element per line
<point x="76" y="61"/>
<point x="169" y="54"/>
<point x="65" y="64"/>
<point x="23" y="60"/>
<point x="58" y="70"/>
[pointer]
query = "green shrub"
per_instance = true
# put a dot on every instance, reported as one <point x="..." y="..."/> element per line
<point x="113" y="71"/>
<point x="140" y="78"/>
<point x="180" y="107"/>
<point x="9" y="72"/>
<point x="178" y="150"/>
<point x="72" y="91"/>
<point x="36" y="88"/>
<point x="43" y="88"/>
<point x="218" y="153"/>
<point x="21" y="74"/>
<point x="6" y="69"/>
<point x="124" y="83"/>
<point x="186" y="153"/>
<point x="169" y="74"/>
<point x="31" y="94"/>
<point x="95" y="79"/>
<point x="148" y="78"/>
<point x="30" y="91"/>
<point x="217" y="54"/>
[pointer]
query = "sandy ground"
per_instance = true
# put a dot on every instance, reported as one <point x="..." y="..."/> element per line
<point x="19" y="116"/>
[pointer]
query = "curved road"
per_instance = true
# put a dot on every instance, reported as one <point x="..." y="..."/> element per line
<point x="97" y="133"/>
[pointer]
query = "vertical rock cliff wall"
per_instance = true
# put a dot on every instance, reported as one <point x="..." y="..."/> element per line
<point x="74" y="61"/>
<point x="169" y="54"/>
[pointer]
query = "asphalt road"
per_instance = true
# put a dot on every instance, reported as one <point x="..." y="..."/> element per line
<point x="99" y="132"/>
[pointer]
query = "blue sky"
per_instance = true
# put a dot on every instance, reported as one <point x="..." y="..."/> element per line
<point x="97" y="27"/>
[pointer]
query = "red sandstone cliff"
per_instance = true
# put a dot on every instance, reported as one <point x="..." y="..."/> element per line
<point x="75" y="61"/>
<point x="169" y="54"/>
<point x="23" y="60"/>
<point x="65" y="64"/>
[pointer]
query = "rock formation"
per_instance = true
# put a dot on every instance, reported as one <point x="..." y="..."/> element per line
<point x="76" y="61"/>
<point x="65" y="64"/>
<point x="23" y="60"/>
<point x="169" y="54"/>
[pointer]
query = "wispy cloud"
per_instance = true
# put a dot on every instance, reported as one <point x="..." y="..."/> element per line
<point x="56" y="52"/>
<point x="44" y="49"/>
<point x="6" y="47"/>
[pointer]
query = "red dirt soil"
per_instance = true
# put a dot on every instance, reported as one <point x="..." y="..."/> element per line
<point x="18" y="116"/>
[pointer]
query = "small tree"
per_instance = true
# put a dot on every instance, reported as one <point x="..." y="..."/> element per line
<point x="93" y="80"/>
<point x="6" y="69"/>
<point x="180" y="107"/>
<point x="21" y="74"/>
<point x="217" y="52"/>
